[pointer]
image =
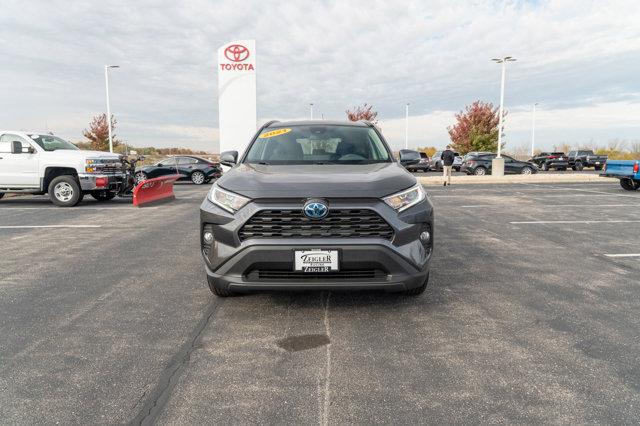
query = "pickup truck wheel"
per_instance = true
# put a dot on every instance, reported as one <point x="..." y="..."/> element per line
<point x="103" y="195"/>
<point x="629" y="184"/>
<point x="579" y="166"/>
<point x="64" y="191"/>
<point x="197" y="178"/>
<point x="217" y="289"/>
<point x="418" y="290"/>
<point x="480" y="171"/>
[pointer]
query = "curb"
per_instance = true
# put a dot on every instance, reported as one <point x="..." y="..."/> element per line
<point x="483" y="180"/>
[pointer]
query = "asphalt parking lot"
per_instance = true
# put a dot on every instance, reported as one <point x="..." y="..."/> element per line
<point x="532" y="316"/>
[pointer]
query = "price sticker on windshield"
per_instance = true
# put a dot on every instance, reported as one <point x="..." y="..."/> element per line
<point x="273" y="133"/>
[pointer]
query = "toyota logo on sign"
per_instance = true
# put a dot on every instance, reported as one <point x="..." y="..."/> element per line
<point x="236" y="53"/>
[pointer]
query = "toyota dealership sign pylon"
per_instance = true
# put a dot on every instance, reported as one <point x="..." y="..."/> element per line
<point x="237" y="94"/>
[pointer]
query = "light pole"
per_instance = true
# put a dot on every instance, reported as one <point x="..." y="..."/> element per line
<point x="502" y="61"/>
<point x="498" y="162"/>
<point x="533" y="128"/>
<point x="311" y="110"/>
<point x="106" y="82"/>
<point x="406" y="126"/>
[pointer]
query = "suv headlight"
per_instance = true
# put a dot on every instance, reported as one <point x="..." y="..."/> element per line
<point x="227" y="200"/>
<point x="407" y="198"/>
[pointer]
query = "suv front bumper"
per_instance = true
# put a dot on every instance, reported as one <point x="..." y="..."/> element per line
<point x="88" y="181"/>
<point x="401" y="263"/>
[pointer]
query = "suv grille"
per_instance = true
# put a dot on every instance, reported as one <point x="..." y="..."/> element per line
<point x="339" y="223"/>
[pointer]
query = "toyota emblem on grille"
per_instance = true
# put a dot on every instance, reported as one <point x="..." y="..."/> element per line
<point x="315" y="209"/>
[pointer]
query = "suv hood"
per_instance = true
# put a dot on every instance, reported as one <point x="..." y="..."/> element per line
<point x="323" y="181"/>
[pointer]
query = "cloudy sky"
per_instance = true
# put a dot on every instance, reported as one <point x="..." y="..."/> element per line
<point x="580" y="60"/>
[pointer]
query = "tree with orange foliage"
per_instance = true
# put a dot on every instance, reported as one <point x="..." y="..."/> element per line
<point x="98" y="133"/>
<point x="364" y="112"/>
<point x="476" y="128"/>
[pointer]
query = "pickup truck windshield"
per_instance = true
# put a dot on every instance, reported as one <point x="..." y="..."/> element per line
<point x="319" y="144"/>
<point x="52" y="143"/>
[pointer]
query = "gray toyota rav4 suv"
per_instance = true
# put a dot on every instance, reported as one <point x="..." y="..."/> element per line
<point x="316" y="205"/>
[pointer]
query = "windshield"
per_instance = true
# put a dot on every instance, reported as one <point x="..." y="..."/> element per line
<point x="52" y="143"/>
<point x="321" y="144"/>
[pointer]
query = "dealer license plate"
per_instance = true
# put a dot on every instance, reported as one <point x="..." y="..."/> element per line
<point x="316" y="260"/>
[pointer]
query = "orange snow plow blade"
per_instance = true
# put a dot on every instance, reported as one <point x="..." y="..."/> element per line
<point x="152" y="190"/>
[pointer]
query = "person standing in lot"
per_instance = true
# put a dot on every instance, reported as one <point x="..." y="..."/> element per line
<point x="447" y="164"/>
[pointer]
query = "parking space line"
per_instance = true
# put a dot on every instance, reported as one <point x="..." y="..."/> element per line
<point x="543" y="222"/>
<point x="74" y="209"/>
<point x="591" y="191"/>
<point x="623" y="255"/>
<point x="516" y="196"/>
<point x="554" y="205"/>
<point x="48" y="226"/>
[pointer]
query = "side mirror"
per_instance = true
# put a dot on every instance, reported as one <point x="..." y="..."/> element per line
<point x="229" y="158"/>
<point x="16" y="147"/>
<point x="408" y="157"/>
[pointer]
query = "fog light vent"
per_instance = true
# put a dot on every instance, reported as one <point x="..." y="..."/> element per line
<point x="207" y="238"/>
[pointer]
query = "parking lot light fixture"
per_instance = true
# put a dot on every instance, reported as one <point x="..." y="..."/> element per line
<point x="106" y="82"/>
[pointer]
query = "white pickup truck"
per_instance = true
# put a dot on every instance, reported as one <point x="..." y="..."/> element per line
<point x="39" y="163"/>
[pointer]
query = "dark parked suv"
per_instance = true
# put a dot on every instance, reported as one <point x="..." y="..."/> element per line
<point x="480" y="164"/>
<point x="316" y="205"/>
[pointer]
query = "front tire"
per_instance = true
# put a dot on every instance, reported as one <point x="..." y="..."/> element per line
<point x="217" y="289"/>
<point x="1" y="195"/>
<point x="526" y="170"/>
<point x="597" y="168"/>
<point x="480" y="171"/>
<point x="545" y="167"/>
<point x="198" y="178"/>
<point x="103" y="195"/>
<point x="418" y="290"/>
<point x="64" y="191"/>
<point x="579" y="166"/>
<point x="629" y="184"/>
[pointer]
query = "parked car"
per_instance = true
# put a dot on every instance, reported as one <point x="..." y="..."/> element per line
<point x="628" y="171"/>
<point x="316" y="205"/>
<point x="481" y="165"/>
<point x="41" y="163"/>
<point x="196" y="169"/>
<point x="423" y="165"/>
<point x="585" y="158"/>
<point x="551" y="160"/>
<point x="436" y="162"/>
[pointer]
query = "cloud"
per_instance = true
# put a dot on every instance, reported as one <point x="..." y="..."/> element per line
<point x="571" y="55"/>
